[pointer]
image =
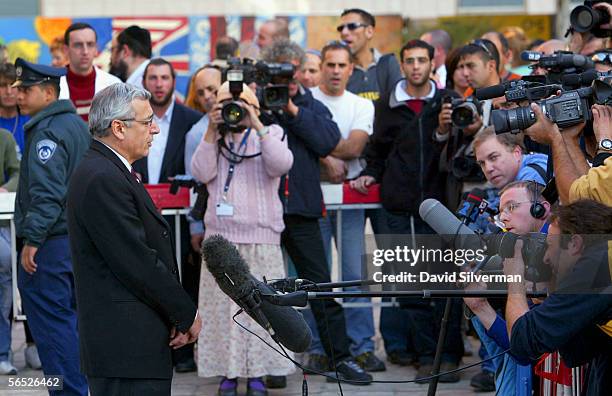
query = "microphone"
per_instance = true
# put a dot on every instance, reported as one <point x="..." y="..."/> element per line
<point x="472" y="206"/>
<point x="581" y="79"/>
<point x="444" y="222"/>
<point x="492" y="92"/>
<point x="285" y="325"/>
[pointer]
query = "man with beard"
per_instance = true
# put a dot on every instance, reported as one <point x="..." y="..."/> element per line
<point x="83" y="80"/>
<point x="130" y="54"/>
<point x="166" y="159"/>
<point x="403" y="157"/>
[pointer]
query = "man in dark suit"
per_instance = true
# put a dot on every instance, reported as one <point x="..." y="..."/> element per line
<point x="131" y="307"/>
<point x="166" y="159"/>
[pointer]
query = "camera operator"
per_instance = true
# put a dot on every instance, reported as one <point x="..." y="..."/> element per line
<point x="311" y="134"/>
<point x="478" y="63"/>
<point x="521" y="215"/>
<point x="241" y="164"/>
<point x="403" y="156"/>
<point x="574" y="319"/>
<point x="574" y="179"/>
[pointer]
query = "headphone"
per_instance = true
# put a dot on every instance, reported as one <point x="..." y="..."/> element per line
<point x="537" y="209"/>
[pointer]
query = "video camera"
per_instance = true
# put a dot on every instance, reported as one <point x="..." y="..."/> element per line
<point x="559" y="63"/>
<point x="570" y="108"/>
<point x="528" y="88"/>
<point x="585" y="18"/>
<point x="465" y="110"/>
<point x="271" y="97"/>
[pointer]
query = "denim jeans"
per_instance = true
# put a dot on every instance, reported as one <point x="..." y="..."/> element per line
<point x="6" y="293"/>
<point x="359" y="321"/>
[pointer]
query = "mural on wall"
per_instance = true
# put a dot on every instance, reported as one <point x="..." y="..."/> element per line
<point x="188" y="42"/>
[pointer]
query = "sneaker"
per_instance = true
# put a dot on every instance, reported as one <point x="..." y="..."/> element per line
<point x="6" y="368"/>
<point x="483" y="381"/>
<point x="349" y="370"/>
<point x="369" y="362"/>
<point x="276" y="381"/>
<point x="400" y="358"/>
<point x="228" y="387"/>
<point x="256" y="387"/>
<point x="449" y="378"/>
<point x="423" y="372"/>
<point x="318" y="363"/>
<point x="31" y="357"/>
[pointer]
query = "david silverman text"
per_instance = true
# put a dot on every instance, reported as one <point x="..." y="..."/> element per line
<point x="453" y="277"/>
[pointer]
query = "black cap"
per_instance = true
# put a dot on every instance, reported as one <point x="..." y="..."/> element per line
<point x="29" y="74"/>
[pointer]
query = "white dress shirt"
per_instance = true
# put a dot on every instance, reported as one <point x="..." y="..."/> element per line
<point x="158" y="147"/>
<point x="136" y="77"/>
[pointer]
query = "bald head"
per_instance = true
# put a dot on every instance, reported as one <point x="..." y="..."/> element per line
<point x="271" y="31"/>
<point x="550" y="46"/>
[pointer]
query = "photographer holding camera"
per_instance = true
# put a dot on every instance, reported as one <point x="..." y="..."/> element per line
<point x="241" y="162"/>
<point x="576" y="318"/>
<point x="459" y="119"/>
<point x="311" y="134"/>
<point x="574" y="179"/>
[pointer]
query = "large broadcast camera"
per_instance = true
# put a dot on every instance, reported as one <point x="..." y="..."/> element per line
<point x="558" y="64"/>
<point x="465" y="110"/>
<point x="528" y="88"/>
<point x="585" y="18"/>
<point x="271" y="97"/>
<point x="569" y="108"/>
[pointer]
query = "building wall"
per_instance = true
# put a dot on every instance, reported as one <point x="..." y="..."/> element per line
<point x="407" y="8"/>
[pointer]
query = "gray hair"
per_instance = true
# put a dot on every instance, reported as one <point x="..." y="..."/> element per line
<point x="441" y="38"/>
<point x="283" y="50"/>
<point x="113" y="103"/>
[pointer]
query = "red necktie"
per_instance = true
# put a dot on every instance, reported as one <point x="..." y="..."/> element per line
<point x="135" y="174"/>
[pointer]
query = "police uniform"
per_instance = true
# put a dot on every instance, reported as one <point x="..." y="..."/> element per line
<point x="56" y="139"/>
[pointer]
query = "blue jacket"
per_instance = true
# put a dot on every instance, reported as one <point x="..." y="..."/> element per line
<point x="311" y="134"/>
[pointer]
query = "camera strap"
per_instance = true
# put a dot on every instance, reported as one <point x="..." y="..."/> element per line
<point x="233" y="164"/>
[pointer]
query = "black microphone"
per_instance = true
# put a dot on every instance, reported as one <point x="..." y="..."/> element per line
<point x="492" y="92"/>
<point x="581" y="79"/>
<point x="472" y="206"/>
<point x="231" y="272"/>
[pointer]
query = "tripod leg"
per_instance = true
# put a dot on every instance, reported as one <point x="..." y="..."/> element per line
<point x="433" y="383"/>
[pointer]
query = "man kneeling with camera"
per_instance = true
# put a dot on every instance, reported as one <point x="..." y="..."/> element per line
<point x="576" y="319"/>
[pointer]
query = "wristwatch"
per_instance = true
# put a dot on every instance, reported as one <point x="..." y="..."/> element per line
<point x="263" y="132"/>
<point x="605" y="145"/>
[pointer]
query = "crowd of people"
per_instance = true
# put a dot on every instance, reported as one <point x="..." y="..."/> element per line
<point x="98" y="276"/>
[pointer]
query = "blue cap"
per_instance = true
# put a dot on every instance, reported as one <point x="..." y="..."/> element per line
<point x="29" y="74"/>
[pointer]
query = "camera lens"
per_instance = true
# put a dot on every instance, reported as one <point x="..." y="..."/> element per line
<point x="584" y="18"/>
<point x="232" y="113"/>
<point x="511" y="120"/>
<point x="463" y="115"/>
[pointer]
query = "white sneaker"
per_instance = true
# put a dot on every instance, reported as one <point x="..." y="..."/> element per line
<point x="6" y="368"/>
<point x="31" y="357"/>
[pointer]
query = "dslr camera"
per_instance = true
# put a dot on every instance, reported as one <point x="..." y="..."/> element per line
<point x="585" y="18"/>
<point x="465" y="110"/>
<point x="569" y="108"/>
<point x="534" y="248"/>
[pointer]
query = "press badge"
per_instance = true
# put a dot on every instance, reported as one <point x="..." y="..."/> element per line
<point x="225" y="209"/>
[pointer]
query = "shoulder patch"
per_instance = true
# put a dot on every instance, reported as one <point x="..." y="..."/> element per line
<point x="45" y="150"/>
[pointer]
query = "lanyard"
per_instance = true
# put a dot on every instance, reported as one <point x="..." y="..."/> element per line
<point x="232" y="165"/>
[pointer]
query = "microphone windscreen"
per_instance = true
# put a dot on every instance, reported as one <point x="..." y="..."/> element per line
<point x="227" y="266"/>
<point x="492" y="92"/>
<point x="289" y="325"/>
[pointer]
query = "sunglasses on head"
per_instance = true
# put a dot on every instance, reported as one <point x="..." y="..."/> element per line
<point x="351" y="26"/>
<point x="602" y="57"/>
<point x="481" y="44"/>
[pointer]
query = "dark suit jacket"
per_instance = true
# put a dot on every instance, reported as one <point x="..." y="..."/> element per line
<point x="126" y="277"/>
<point x="173" y="163"/>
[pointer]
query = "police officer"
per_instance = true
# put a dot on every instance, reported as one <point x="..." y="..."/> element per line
<point x="56" y="138"/>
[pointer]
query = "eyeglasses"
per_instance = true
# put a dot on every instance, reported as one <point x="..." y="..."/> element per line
<point x="337" y="43"/>
<point x="147" y="123"/>
<point x="481" y="44"/>
<point x="511" y="207"/>
<point x="351" y="26"/>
